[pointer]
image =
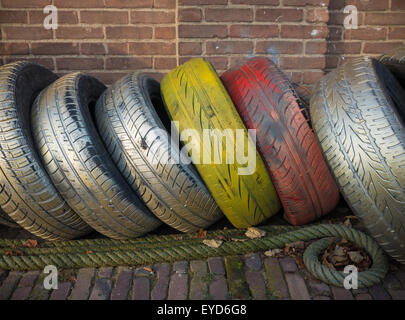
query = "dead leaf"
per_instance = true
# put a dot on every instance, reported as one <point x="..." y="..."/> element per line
<point x="355" y="256"/>
<point x="272" y="252"/>
<point x="296" y="245"/>
<point x="13" y="252"/>
<point x="31" y="244"/>
<point x="254" y="233"/>
<point x="88" y="252"/>
<point x="237" y="239"/>
<point x="202" y="234"/>
<point x="148" y="269"/>
<point x="213" y="243"/>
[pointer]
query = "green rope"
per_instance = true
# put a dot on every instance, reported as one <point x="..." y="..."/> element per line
<point x="169" y="248"/>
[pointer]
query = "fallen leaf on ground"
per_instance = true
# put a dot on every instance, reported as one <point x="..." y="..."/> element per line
<point x="272" y="252"/>
<point x="213" y="243"/>
<point x="202" y="234"/>
<point x="13" y="253"/>
<point x="88" y="252"/>
<point x="355" y="256"/>
<point x="31" y="244"/>
<point x="254" y="233"/>
<point x="237" y="239"/>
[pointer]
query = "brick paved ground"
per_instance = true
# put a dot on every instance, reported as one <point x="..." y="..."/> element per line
<point x="253" y="276"/>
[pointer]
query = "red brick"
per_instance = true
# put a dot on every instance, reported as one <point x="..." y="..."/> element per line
<point x="79" y="4"/>
<point x="257" y="2"/>
<point x="306" y="2"/>
<point x="253" y="31"/>
<point x="108" y="78"/>
<point x="361" y="5"/>
<point x="152" y="17"/>
<point x="228" y="15"/>
<point x="397" y="4"/>
<point x="104" y="17"/>
<point x="396" y="33"/>
<point x="190" y="48"/>
<point x="237" y="61"/>
<point x="341" y="47"/>
<point x="380" y="47"/>
<point x="10" y="16"/>
<point x="25" y="3"/>
<point x="279" y="15"/>
<point x="219" y="63"/>
<point x="152" y="48"/>
<point x="303" y="32"/>
<point x="279" y="46"/>
<point x="311" y="77"/>
<point x="165" y="63"/>
<point x="332" y="62"/>
<point x="165" y="32"/>
<point x="26" y="33"/>
<point x="129" y="3"/>
<point x="164" y="4"/>
<point x="366" y="33"/>
<point x="14" y="48"/>
<point x="79" y="33"/>
<point x="202" y="31"/>
<point x="46" y="62"/>
<point x="394" y="18"/>
<point x="129" y="32"/>
<point x="190" y="15"/>
<point x="118" y="48"/>
<point x="79" y="63"/>
<point x="93" y="48"/>
<point x="64" y="17"/>
<point x="302" y="63"/>
<point x="59" y="48"/>
<point x="128" y="63"/>
<point x="227" y="47"/>
<point x="315" y="47"/>
<point x="317" y="15"/>
<point x="201" y="2"/>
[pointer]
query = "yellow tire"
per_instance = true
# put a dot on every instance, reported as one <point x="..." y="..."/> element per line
<point x="196" y="99"/>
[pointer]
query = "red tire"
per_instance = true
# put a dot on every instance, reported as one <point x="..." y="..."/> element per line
<point x="268" y="103"/>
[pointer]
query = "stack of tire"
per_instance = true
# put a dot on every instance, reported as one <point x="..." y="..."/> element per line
<point x="76" y="156"/>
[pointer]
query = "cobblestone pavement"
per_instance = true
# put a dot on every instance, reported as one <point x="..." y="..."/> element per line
<point x="253" y="276"/>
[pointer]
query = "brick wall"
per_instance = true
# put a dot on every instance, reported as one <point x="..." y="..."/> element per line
<point x="107" y="38"/>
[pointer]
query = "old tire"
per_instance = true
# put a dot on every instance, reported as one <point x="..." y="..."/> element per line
<point x="79" y="164"/>
<point x="196" y="98"/>
<point x="5" y="220"/>
<point x="27" y="194"/>
<point x="362" y="136"/>
<point x="267" y="102"/>
<point x="395" y="61"/>
<point x="135" y="138"/>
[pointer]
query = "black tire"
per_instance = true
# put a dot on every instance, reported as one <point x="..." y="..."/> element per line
<point x="363" y="138"/>
<point x="395" y="61"/>
<point x="132" y="132"/>
<point x="5" y="220"/>
<point x="27" y="194"/>
<point x="79" y="164"/>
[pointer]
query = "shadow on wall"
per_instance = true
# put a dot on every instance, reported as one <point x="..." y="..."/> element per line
<point x="380" y="29"/>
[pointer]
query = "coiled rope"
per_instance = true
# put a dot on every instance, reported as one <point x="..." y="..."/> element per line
<point x="169" y="248"/>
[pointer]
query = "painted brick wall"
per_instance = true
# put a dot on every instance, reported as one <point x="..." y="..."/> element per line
<point x="108" y="38"/>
